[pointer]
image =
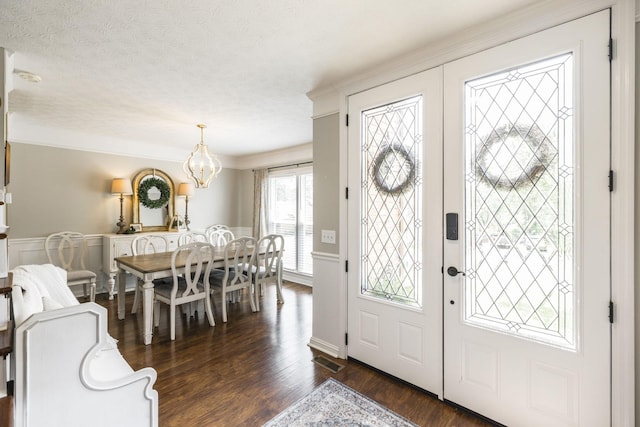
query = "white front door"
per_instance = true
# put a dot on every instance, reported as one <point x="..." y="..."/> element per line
<point x="395" y="229"/>
<point x="526" y="328"/>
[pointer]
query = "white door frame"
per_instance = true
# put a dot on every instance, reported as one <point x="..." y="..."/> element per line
<point x="522" y="23"/>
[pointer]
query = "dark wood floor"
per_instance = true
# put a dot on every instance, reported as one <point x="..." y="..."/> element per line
<point x="245" y="372"/>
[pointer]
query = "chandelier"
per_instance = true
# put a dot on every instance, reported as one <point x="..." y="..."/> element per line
<point x="201" y="166"/>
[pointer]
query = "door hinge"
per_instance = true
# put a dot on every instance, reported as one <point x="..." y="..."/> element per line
<point x="346" y="266"/>
<point x="346" y="192"/>
<point x="610" y="181"/>
<point x="346" y="339"/>
<point x="610" y="49"/>
<point x="610" y="311"/>
<point x="347" y="120"/>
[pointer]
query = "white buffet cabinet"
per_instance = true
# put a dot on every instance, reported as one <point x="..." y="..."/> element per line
<point x="116" y="245"/>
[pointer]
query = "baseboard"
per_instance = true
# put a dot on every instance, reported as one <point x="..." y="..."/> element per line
<point x="324" y="347"/>
<point x="302" y="279"/>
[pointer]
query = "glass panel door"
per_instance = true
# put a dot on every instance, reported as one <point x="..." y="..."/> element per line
<point x="526" y="154"/>
<point x="395" y="229"/>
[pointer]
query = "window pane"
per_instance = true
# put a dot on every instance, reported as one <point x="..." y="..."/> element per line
<point x="290" y="213"/>
<point x="282" y="215"/>
<point x="391" y="224"/>
<point x="519" y="202"/>
<point x="305" y="239"/>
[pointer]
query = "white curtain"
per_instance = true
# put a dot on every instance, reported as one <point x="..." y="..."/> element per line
<point x="259" y="203"/>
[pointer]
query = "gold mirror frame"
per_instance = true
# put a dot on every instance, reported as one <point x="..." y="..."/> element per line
<point x="136" y="198"/>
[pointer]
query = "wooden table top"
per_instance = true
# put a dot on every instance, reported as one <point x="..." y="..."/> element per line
<point x="161" y="261"/>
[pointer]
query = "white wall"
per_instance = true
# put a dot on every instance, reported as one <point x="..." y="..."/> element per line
<point x="57" y="189"/>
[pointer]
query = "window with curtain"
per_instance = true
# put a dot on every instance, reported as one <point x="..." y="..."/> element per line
<point x="290" y="213"/>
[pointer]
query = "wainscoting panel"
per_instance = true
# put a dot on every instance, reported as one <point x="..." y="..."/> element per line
<point x="329" y="309"/>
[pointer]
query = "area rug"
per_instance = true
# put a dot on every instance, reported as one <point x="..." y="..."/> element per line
<point x="334" y="404"/>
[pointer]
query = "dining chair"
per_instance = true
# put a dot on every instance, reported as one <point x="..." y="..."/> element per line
<point x="266" y="265"/>
<point x="192" y="286"/>
<point x="220" y="237"/>
<point x="210" y="229"/>
<point x="192" y="236"/>
<point x="146" y="244"/>
<point x="236" y="274"/>
<point x="67" y="250"/>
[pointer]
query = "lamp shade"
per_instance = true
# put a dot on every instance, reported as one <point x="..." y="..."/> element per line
<point x="186" y="189"/>
<point x="121" y="186"/>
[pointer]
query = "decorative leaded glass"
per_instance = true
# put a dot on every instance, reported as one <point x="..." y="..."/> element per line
<point x="519" y="211"/>
<point x="391" y="222"/>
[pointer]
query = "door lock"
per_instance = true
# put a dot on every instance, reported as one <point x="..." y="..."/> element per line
<point x="453" y="272"/>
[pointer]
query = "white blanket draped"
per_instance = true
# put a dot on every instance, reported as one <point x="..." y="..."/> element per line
<point x="39" y="284"/>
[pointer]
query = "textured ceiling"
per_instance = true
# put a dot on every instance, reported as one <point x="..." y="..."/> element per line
<point x="128" y="73"/>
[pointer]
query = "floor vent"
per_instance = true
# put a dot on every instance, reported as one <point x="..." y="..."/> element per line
<point x="326" y="363"/>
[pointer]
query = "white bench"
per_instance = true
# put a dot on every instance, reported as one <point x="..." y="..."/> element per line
<point x="68" y="370"/>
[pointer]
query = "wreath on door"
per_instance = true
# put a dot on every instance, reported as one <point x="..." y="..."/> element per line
<point x="393" y="169"/>
<point x="489" y="170"/>
<point x="148" y="184"/>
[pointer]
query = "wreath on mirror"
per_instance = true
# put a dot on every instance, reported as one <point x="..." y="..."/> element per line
<point x="542" y="149"/>
<point x="394" y="169"/>
<point x="148" y="184"/>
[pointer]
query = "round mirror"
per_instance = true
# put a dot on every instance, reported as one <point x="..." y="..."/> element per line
<point x="153" y="200"/>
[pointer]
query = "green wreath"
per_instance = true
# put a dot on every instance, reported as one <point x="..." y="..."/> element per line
<point x="143" y="193"/>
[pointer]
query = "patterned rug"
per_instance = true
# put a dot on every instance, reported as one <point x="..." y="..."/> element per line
<point x="334" y="404"/>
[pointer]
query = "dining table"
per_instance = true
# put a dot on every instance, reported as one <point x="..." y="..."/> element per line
<point x="149" y="267"/>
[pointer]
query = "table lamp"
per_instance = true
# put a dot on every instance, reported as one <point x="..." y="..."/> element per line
<point x="186" y="190"/>
<point x="122" y="187"/>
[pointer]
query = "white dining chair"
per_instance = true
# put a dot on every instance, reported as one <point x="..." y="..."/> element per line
<point x="192" y="286"/>
<point x="67" y="250"/>
<point x="192" y="236"/>
<point x="220" y="237"/>
<point x="146" y="244"/>
<point x="210" y="229"/>
<point x="266" y="266"/>
<point x="236" y="274"/>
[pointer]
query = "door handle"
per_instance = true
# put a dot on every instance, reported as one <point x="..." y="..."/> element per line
<point x="453" y="272"/>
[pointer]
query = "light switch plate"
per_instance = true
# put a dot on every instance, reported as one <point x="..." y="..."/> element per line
<point x="328" y="236"/>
